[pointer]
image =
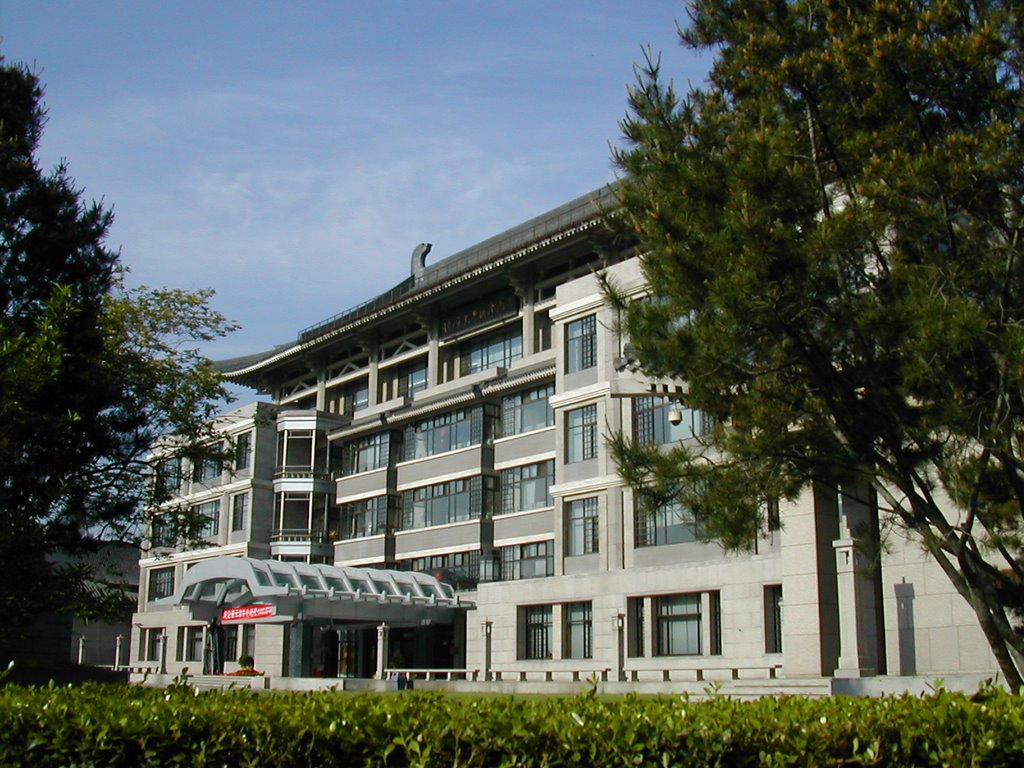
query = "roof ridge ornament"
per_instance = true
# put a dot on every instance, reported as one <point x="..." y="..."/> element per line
<point x="419" y="259"/>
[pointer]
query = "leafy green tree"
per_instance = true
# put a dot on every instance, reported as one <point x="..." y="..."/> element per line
<point x="91" y="373"/>
<point x="831" y="227"/>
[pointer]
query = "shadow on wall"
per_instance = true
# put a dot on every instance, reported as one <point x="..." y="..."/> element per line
<point x="905" y="628"/>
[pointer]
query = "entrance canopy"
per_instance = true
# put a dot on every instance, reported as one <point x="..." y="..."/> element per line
<point x="242" y="589"/>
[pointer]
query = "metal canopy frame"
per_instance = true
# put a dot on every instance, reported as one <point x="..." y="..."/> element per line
<point x="300" y="591"/>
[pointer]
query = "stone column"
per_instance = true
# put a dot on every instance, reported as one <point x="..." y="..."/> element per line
<point x="433" y="348"/>
<point x="300" y="649"/>
<point x="321" y="389"/>
<point x="523" y="286"/>
<point x="372" y="370"/>
<point x="854" y="655"/>
<point x="382" y="650"/>
<point x="163" y="654"/>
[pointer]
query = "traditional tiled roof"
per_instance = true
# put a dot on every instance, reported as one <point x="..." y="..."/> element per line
<point x="513" y="244"/>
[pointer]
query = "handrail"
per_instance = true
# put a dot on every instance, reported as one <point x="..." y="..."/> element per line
<point x="299" y="534"/>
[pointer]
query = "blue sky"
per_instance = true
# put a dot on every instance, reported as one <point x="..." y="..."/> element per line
<point x="291" y="155"/>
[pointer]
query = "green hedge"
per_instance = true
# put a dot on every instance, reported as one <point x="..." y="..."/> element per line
<point x="105" y="725"/>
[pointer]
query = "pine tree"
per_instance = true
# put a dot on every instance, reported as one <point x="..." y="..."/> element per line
<point x="90" y="372"/>
<point x="831" y="227"/>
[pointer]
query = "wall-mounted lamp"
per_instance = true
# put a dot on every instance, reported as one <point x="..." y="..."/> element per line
<point x="675" y="414"/>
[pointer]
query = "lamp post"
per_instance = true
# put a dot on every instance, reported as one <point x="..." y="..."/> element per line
<point x="619" y="622"/>
<point x="488" y="627"/>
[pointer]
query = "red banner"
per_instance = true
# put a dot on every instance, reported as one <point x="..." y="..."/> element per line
<point x="248" y="612"/>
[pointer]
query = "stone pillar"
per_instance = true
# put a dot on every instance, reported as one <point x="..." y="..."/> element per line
<point x="162" y="668"/>
<point x="382" y="651"/>
<point x="373" y="369"/>
<point x="82" y="642"/>
<point x="648" y="640"/>
<point x="524" y="290"/>
<point x="426" y="320"/>
<point x="118" y="645"/>
<point x="855" y="657"/>
<point x="321" y="389"/>
<point x="300" y="649"/>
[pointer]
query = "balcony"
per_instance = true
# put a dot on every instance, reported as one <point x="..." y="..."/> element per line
<point x="291" y="543"/>
<point x="299" y="534"/>
<point x="301" y="473"/>
<point x="302" y="478"/>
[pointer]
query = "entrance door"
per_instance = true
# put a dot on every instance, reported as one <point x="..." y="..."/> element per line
<point x="329" y="653"/>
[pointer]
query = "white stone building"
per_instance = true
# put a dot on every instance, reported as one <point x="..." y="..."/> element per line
<point x="455" y="426"/>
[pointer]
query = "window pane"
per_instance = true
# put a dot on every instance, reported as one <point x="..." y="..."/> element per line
<point x="579" y="630"/>
<point x="537" y="631"/>
<point x="581" y="537"/>
<point x="653" y="417"/>
<point x="527" y="411"/>
<point x="239" y="511"/>
<point x="243" y="450"/>
<point x="581" y="434"/>
<point x="669" y="524"/>
<point x="581" y="344"/>
<point x="678" y="625"/>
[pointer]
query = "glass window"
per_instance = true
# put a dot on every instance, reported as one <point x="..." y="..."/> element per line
<point x="678" y="625"/>
<point x="190" y="644"/>
<point x="660" y="420"/>
<point x="239" y="511"/>
<point x="161" y="583"/>
<point x="295" y="450"/>
<point x="668" y="524"/>
<point x="581" y="520"/>
<point x="357" y="397"/>
<point x="208" y="516"/>
<point x="461" y="570"/>
<point x="367" y="517"/>
<point x="243" y="451"/>
<point x="537" y="631"/>
<point x="413" y="378"/>
<point x="497" y="350"/>
<point x="440" y="504"/>
<point x="581" y="434"/>
<point x="451" y="431"/>
<point x="527" y="487"/>
<point x="581" y="344"/>
<point x="579" y="630"/>
<point x="295" y="510"/>
<point x="520" y="561"/>
<point x="527" y="411"/>
<point x="205" y="469"/>
<point x="447" y="432"/>
<point x="451" y="502"/>
<point x="367" y="453"/>
<point x="161" y="532"/>
<point x="635" y="627"/>
<point x="149" y="643"/>
<point x="773" y="618"/>
<point x="168" y="477"/>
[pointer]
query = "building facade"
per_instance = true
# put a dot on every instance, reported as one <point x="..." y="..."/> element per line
<point x="456" y="426"/>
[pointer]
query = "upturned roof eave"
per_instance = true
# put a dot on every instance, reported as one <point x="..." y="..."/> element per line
<point x="259" y="362"/>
